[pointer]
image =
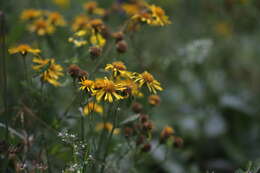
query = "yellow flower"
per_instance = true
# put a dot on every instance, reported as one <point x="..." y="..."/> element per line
<point x="30" y="14"/>
<point x="107" y="126"/>
<point x="81" y="22"/>
<point x="223" y="28"/>
<point x="148" y="79"/>
<point x="92" y="8"/>
<point x="116" y="68"/>
<point x="97" y="40"/>
<point x="49" y="70"/>
<point x="158" y="16"/>
<point x="154" y="100"/>
<point x="62" y="3"/>
<point x="92" y="107"/>
<point x="166" y="133"/>
<point x="55" y="18"/>
<point x="131" y="88"/>
<point x="78" y="39"/>
<point x="87" y="85"/>
<point x="23" y="49"/>
<point x="131" y="9"/>
<point x="41" y="27"/>
<point x="107" y="89"/>
<point x="153" y="15"/>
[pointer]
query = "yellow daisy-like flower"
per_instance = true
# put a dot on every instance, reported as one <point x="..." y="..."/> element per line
<point x="30" y="14"/>
<point x="87" y="85"/>
<point x="77" y="39"/>
<point x="131" y="88"/>
<point x="158" y="16"/>
<point x="148" y="79"/>
<point x="81" y="22"/>
<point x="55" y="19"/>
<point x="49" y="70"/>
<point x="107" y="126"/>
<point x="92" y="107"/>
<point x="41" y="27"/>
<point x="23" y="49"/>
<point x="116" y="68"/>
<point x="107" y="89"/>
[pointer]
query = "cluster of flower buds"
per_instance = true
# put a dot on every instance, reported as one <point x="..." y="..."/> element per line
<point x="121" y="44"/>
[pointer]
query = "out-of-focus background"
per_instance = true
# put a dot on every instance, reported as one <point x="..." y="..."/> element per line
<point x="208" y="61"/>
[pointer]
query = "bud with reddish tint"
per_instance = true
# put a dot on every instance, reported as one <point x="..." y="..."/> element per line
<point x="146" y="148"/>
<point x="143" y="118"/>
<point x="118" y="36"/>
<point x="128" y="131"/>
<point x="95" y="51"/>
<point x="178" y="142"/>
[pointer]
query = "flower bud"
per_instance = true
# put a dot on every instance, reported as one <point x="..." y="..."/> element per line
<point x="137" y="107"/>
<point x="121" y="46"/>
<point x="154" y="100"/>
<point x="118" y="36"/>
<point x="128" y="132"/>
<point x="146" y="148"/>
<point x="143" y="118"/>
<point x="166" y="133"/>
<point x="178" y="142"/>
<point x="95" y="51"/>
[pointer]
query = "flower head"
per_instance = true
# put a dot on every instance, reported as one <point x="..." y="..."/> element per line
<point x="81" y="22"/>
<point x="92" y="107"/>
<point x="131" y="88"/>
<point x="23" y="49"/>
<point x="49" y="70"/>
<point x="56" y="19"/>
<point x="92" y="8"/>
<point x="30" y="14"/>
<point x="107" y="90"/>
<point x="154" y="100"/>
<point x="148" y="79"/>
<point x="41" y="27"/>
<point x="116" y="68"/>
<point x="87" y="85"/>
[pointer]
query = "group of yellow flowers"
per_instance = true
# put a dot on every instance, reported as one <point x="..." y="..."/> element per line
<point x="121" y="84"/>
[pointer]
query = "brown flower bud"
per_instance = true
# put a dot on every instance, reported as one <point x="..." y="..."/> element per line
<point x="121" y="46"/>
<point x="95" y="51"/>
<point x="154" y="100"/>
<point x="82" y="74"/>
<point x="146" y="148"/>
<point x="143" y="118"/>
<point x="137" y="107"/>
<point x="118" y="36"/>
<point x="74" y="71"/>
<point x="148" y="126"/>
<point x="178" y="142"/>
<point x="128" y="131"/>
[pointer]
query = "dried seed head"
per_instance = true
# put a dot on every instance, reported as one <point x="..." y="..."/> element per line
<point x="95" y="51"/>
<point x="148" y="126"/>
<point x="118" y="36"/>
<point x="121" y="46"/>
<point x="144" y="118"/>
<point x="137" y="107"/>
<point x="178" y="142"/>
<point x="74" y="71"/>
<point x="146" y="148"/>
<point x="154" y="100"/>
<point x="128" y="131"/>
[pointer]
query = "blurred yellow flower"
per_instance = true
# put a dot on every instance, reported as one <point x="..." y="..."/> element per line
<point x="78" y="39"/>
<point x="41" y="27"/>
<point x="92" y="107"/>
<point x="107" y="126"/>
<point x="55" y="19"/>
<point x="49" y="70"/>
<point x="131" y="88"/>
<point x="97" y="39"/>
<point x="23" y="49"/>
<point x="62" y="3"/>
<point x="154" y="100"/>
<point x="80" y="22"/>
<point x="92" y="8"/>
<point x="30" y="14"/>
<point x="223" y="29"/>
<point x="107" y="89"/>
<point x="148" y="79"/>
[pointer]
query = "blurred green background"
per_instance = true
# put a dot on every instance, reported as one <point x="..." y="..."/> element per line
<point x="207" y="61"/>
